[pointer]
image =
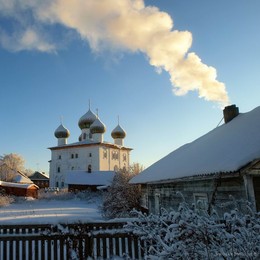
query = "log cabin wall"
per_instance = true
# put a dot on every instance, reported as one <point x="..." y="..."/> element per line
<point x="222" y="194"/>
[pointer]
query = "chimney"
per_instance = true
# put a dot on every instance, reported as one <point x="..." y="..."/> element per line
<point x="230" y="112"/>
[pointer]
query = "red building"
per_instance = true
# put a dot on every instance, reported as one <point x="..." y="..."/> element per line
<point x="19" y="189"/>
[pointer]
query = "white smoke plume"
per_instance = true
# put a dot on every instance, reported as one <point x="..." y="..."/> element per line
<point x="125" y="25"/>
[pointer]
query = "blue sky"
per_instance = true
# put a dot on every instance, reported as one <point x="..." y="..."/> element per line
<point x="51" y="64"/>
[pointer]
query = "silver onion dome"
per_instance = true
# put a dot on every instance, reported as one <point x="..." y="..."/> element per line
<point x="86" y="120"/>
<point x="97" y="127"/>
<point x="118" y="132"/>
<point x="62" y="132"/>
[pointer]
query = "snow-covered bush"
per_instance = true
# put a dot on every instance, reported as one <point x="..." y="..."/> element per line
<point x="121" y="197"/>
<point x="5" y="200"/>
<point x="186" y="234"/>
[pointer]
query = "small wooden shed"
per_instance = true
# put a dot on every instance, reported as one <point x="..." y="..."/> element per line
<point x="19" y="189"/>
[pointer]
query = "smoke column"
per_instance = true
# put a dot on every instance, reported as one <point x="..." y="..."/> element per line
<point x="124" y="25"/>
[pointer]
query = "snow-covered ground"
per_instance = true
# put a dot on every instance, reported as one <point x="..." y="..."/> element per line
<point x="50" y="211"/>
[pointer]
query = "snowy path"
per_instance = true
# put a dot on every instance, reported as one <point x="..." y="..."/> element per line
<point x="49" y="211"/>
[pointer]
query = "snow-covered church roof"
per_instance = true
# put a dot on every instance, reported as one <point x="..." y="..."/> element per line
<point x="226" y="148"/>
<point x="101" y="178"/>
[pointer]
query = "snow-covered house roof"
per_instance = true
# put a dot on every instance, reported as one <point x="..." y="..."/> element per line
<point x="226" y="148"/>
<point x="101" y="178"/>
<point x="39" y="176"/>
<point x="21" y="178"/>
<point x="18" y="185"/>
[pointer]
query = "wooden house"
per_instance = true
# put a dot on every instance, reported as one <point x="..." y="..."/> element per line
<point x="40" y="179"/>
<point x="219" y="170"/>
<point x="19" y="189"/>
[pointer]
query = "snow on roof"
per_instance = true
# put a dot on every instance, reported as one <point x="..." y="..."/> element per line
<point x="17" y="185"/>
<point x="101" y="178"/>
<point x="224" y="149"/>
<point x="89" y="143"/>
<point x="21" y="179"/>
<point x="39" y="176"/>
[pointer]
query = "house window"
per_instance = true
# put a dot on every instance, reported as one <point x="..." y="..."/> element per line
<point x="124" y="157"/>
<point x="201" y="201"/>
<point x="72" y="168"/>
<point x="58" y="169"/>
<point x="84" y="136"/>
<point x="72" y="156"/>
<point x="89" y="168"/>
<point x="57" y="184"/>
<point x="90" y="155"/>
<point x="62" y="184"/>
<point x="76" y="155"/>
<point x="59" y="157"/>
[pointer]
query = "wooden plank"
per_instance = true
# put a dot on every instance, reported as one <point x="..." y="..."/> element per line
<point x="36" y="248"/>
<point x="49" y="247"/>
<point x="55" y="247"/>
<point x="30" y="248"/>
<point x="42" y="248"/>
<point x="61" y="252"/>
<point x="117" y="246"/>
<point x="98" y="247"/>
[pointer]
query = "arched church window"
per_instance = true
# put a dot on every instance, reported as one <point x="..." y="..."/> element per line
<point x="105" y="154"/>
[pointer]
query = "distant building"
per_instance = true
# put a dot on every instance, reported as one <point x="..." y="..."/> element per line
<point x="91" y="154"/>
<point x="80" y="180"/>
<point x="19" y="189"/>
<point x="222" y="163"/>
<point x="40" y="179"/>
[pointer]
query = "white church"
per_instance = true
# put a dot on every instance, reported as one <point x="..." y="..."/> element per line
<point x="90" y="162"/>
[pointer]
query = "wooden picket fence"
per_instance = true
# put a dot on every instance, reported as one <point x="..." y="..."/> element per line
<point x="70" y="241"/>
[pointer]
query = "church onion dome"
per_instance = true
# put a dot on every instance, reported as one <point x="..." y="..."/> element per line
<point x="86" y="120"/>
<point x="62" y="132"/>
<point x="97" y="127"/>
<point x="118" y="132"/>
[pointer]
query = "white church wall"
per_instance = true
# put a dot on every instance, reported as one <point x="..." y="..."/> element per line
<point x="99" y="156"/>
